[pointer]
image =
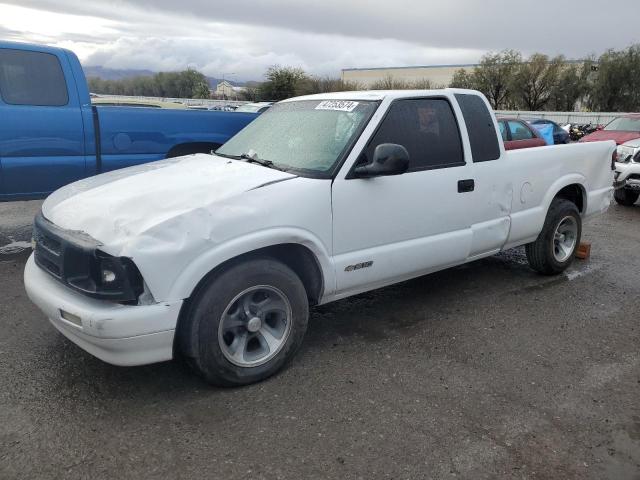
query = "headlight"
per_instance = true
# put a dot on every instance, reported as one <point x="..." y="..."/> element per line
<point x="117" y="278"/>
<point x="105" y="277"/>
<point x="625" y="153"/>
<point x="75" y="260"/>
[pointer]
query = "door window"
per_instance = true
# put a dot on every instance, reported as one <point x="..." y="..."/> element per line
<point x="31" y="78"/>
<point x="427" y="128"/>
<point x="519" y="131"/>
<point x="503" y="131"/>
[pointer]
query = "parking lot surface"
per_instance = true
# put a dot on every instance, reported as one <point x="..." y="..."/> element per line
<point x="483" y="371"/>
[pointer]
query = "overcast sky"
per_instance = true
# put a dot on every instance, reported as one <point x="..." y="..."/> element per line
<point x="244" y="37"/>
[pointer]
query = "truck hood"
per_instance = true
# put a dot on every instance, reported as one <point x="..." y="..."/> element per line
<point x="120" y="205"/>
<point x="635" y="143"/>
<point x="619" y="137"/>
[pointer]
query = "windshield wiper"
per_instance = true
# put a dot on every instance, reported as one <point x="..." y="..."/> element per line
<point x="252" y="157"/>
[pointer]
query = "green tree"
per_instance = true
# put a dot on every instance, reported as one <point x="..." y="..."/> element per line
<point x="392" y="83"/>
<point x="616" y="85"/>
<point x="462" y="79"/>
<point x="493" y="76"/>
<point x="316" y="84"/>
<point x="186" y="84"/>
<point x="533" y="82"/>
<point x="282" y="82"/>
<point x="201" y="90"/>
<point x="572" y="86"/>
<point x="389" y="82"/>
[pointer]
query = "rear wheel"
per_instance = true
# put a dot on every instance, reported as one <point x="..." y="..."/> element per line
<point x="554" y="249"/>
<point x="245" y="323"/>
<point x="626" y="197"/>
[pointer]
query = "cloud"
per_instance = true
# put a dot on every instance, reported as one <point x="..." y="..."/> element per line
<point x="247" y="36"/>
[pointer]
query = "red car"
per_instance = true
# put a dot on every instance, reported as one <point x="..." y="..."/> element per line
<point x="621" y="129"/>
<point x="517" y="134"/>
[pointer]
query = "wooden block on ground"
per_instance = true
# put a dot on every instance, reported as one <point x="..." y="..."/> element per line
<point x="583" y="251"/>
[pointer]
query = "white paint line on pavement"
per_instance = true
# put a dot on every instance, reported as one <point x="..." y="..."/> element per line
<point x="14" y="247"/>
<point x="581" y="273"/>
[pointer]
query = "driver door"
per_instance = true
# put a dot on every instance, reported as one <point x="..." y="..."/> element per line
<point x="390" y="228"/>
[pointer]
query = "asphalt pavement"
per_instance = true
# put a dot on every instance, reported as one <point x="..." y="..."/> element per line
<point x="16" y="219"/>
<point x="480" y="372"/>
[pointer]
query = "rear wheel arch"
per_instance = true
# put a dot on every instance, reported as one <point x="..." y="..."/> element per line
<point x="576" y="194"/>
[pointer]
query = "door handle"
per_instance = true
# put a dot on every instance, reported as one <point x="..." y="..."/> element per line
<point x="467" y="185"/>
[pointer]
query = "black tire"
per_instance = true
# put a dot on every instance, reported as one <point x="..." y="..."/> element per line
<point x="198" y="335"/>
<point x="540" y="253"/>
<point x="626" y="197"/>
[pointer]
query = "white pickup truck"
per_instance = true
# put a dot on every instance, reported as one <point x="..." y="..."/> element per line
<point x="217" y="258"/>
<point x="627" y="174"/>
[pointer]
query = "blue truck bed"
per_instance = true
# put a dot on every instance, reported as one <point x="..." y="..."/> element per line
<point x="51" y="134"/>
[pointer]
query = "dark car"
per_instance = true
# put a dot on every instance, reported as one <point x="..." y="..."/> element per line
<point x="518" y="134"/>
<point x="560" y="136"/>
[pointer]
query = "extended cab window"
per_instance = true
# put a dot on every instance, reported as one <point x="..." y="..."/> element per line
<point x="31" y="78"/>
<point x="427" y="128"/>
<point x="482" y="133"/>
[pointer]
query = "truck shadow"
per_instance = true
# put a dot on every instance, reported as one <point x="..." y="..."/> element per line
<point x="431" y="302"/>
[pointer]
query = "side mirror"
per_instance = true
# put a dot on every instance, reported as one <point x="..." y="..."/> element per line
<point x="388" y="159"/>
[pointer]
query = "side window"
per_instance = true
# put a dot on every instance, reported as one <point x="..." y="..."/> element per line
<point x="482" y="132"/>
<point x="31" y="78"/>
<point x="519" y="131"/>
<point x="427" y="128"/>
<point x="503" y="131"/>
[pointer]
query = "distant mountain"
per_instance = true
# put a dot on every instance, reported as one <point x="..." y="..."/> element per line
<point x="119" y="74"/>
<point x="114" y="73"/>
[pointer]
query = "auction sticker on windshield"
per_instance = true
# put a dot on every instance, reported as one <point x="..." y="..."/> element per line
<point x="342" y="105"/>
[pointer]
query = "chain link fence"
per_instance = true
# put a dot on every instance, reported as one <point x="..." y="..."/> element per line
<point x="595" y="118"/>
<point x="190" y="102"/>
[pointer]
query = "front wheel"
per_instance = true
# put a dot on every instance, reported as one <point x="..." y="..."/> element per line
<point x="245" y="323"/>
<point x="554" y="249"/>
<point x="626" y="197"/>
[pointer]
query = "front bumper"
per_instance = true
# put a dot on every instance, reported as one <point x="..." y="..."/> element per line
<point x="627" y="175"/>
<point x="118" y="334"/>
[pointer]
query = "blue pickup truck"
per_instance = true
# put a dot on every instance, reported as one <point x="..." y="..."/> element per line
<point x="51" y="134"/>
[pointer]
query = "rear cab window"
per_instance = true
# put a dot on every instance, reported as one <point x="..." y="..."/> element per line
<point x="426" y="127"/>
<point x="32" y="78"/>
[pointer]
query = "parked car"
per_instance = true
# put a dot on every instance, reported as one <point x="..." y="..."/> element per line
<point x="52" y="135"/>
<point x="218" y="257"/>
<point x="621" y="130"/>
<point x="258" y="107"/>
<point x="517" y="134"/>
<point x="627" y="174"/>
<point x="560" y="136"/>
